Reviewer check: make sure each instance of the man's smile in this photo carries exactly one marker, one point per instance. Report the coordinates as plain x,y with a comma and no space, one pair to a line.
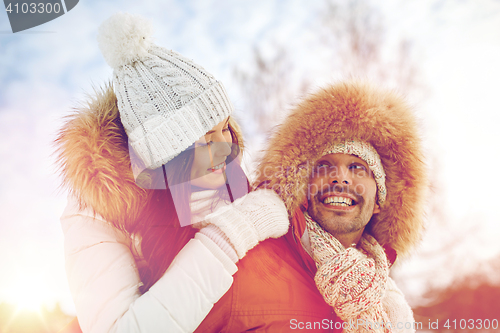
338,201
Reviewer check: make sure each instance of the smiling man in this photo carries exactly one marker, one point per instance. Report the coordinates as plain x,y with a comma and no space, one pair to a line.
347,163
343,191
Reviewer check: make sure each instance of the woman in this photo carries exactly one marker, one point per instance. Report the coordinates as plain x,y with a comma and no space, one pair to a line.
143,161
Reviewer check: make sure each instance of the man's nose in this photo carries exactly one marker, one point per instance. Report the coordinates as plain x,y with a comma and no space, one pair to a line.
340,176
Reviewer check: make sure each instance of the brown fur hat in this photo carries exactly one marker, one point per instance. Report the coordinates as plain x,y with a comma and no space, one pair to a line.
353,110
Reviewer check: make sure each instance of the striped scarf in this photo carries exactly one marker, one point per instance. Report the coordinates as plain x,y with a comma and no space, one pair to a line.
352,281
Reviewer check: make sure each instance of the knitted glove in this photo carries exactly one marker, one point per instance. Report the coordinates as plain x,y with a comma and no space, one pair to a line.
221,240
252,218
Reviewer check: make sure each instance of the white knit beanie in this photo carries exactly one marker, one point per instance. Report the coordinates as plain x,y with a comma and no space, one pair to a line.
166,101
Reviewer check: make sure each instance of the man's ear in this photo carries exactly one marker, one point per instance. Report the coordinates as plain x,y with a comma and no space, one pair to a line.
376,207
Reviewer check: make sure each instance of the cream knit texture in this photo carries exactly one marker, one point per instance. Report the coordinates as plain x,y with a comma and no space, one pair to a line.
203,203
398,310
166,101
352,281
220,252
252,218
221,240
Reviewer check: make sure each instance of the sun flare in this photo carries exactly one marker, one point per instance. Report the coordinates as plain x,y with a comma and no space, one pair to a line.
29,293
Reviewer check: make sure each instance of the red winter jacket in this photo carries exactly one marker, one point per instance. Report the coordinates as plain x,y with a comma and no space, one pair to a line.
274,291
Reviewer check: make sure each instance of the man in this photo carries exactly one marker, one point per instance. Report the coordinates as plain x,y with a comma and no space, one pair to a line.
348,165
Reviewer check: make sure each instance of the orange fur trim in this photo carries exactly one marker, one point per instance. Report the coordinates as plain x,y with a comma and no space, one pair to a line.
94,161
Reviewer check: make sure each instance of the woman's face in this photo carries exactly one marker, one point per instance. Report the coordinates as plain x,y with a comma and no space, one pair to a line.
210,154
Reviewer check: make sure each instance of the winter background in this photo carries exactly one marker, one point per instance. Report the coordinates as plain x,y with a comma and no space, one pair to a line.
442,54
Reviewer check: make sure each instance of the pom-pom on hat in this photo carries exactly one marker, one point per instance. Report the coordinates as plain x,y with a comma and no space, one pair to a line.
166,101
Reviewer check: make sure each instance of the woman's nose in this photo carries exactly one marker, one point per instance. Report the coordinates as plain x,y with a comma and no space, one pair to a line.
222,148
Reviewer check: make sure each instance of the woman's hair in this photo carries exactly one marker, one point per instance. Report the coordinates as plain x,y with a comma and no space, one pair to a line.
159,227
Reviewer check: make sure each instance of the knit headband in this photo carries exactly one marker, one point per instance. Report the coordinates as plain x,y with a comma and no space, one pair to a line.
367,153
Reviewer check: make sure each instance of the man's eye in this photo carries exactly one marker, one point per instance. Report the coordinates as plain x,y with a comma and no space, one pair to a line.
357,167
322,169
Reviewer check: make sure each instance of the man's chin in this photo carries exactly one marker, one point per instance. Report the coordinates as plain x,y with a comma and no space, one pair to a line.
335,221
327,211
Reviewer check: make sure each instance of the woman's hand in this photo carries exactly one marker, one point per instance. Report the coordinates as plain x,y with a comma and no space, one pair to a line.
251,219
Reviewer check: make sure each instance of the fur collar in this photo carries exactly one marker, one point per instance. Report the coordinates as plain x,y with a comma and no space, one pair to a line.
93,158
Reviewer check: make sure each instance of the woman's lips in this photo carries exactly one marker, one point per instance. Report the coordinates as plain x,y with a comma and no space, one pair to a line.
219,168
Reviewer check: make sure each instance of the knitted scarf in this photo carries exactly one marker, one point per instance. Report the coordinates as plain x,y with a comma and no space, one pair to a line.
203,203
352,281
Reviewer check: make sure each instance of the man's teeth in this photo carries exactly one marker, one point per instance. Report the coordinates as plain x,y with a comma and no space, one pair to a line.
218,166
338,201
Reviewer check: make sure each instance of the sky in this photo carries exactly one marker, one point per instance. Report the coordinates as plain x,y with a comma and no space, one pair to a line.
47,70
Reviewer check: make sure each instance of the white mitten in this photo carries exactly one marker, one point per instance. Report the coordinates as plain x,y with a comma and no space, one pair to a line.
252,218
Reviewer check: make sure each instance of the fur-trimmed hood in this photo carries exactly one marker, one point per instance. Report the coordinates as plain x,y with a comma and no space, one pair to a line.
94,161
353,110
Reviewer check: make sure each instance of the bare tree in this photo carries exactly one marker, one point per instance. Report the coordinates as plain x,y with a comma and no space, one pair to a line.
356,36
268,87
469,304
353,35
354,31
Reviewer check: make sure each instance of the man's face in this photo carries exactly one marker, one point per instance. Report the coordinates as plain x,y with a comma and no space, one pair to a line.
342,194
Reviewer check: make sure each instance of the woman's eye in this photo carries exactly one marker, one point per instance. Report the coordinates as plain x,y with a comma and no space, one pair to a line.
225,129
203,144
